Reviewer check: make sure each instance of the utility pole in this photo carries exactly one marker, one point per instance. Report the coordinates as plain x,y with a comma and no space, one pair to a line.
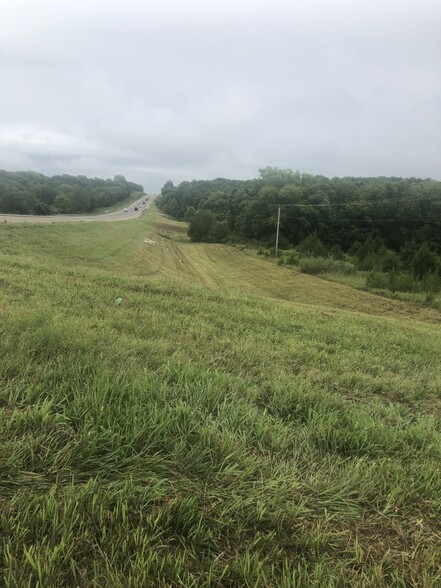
277,233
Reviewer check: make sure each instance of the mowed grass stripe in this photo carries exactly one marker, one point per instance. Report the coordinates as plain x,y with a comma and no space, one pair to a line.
229,269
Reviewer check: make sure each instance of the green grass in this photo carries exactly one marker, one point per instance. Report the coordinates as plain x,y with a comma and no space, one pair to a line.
232,423
358,280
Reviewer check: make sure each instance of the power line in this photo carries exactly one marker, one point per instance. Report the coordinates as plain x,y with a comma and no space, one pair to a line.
363,202
375,220
334,221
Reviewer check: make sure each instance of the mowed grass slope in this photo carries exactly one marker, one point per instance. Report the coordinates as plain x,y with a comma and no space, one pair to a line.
232,423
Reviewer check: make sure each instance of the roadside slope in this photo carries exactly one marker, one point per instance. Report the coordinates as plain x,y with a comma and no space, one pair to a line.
227,268
208,431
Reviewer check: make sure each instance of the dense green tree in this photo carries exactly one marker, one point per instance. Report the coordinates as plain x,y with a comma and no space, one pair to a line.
381,221
219,231
189,214
200,226
34,193
424,262
168,187
63,203
312,245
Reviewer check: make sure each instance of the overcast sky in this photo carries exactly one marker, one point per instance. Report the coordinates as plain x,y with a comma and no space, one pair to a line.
196,89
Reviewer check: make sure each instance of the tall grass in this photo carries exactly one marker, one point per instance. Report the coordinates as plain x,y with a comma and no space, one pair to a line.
204,435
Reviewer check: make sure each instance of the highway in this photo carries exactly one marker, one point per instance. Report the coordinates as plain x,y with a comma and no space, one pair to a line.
118,215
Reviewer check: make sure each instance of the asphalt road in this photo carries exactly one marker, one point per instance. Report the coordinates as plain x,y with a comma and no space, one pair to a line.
127,213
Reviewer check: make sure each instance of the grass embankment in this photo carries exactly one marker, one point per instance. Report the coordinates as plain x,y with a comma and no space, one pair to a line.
232,423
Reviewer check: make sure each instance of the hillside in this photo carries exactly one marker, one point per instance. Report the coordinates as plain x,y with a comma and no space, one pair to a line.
231,423
383,232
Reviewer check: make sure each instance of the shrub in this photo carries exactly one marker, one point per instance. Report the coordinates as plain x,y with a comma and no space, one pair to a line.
431,284
292,258
342,267
314,265
376,279
312,245
369,263
200,226
424,262
336,252
402,282
389,260
324,265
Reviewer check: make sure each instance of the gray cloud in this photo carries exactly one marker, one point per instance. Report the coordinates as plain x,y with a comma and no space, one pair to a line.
180,90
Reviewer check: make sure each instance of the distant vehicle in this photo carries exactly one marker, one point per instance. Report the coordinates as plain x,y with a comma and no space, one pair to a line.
144,202
136,208
126,210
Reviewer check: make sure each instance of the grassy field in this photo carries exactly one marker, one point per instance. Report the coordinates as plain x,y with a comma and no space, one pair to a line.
231,423
358,280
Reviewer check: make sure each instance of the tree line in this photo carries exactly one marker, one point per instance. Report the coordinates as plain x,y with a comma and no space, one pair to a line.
34,193
382,224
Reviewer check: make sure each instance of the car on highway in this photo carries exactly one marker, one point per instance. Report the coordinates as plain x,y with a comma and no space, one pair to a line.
136,208
126,210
